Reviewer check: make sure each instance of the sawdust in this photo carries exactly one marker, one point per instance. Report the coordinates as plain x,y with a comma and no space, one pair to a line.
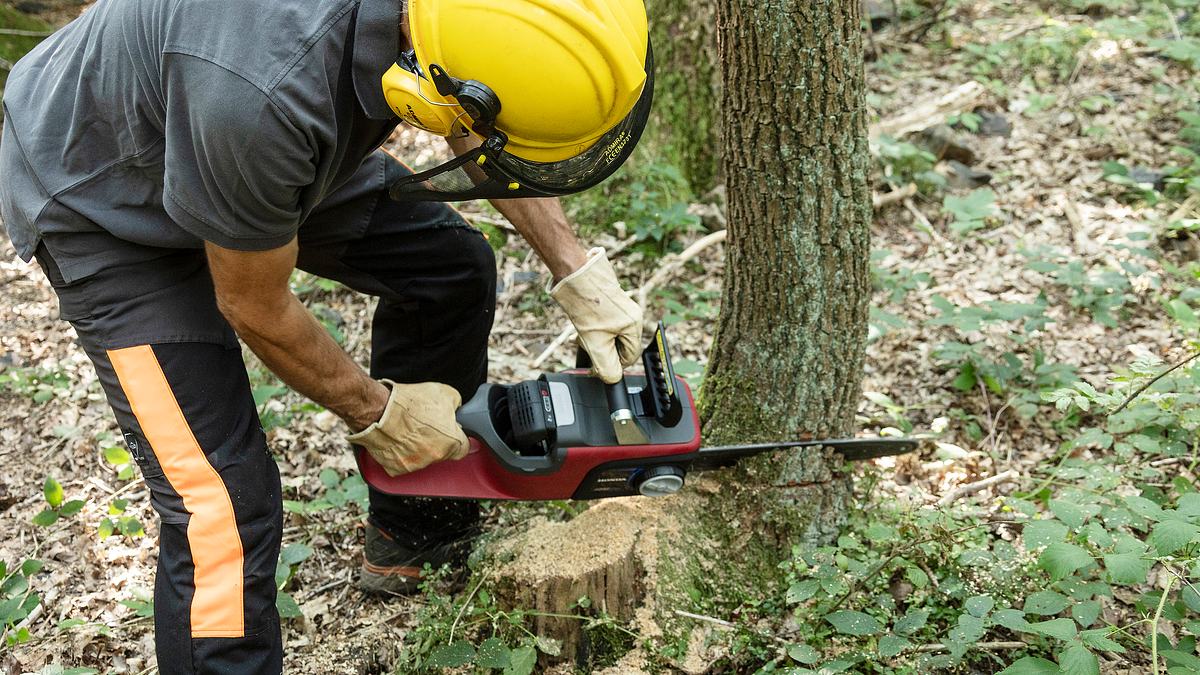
595,539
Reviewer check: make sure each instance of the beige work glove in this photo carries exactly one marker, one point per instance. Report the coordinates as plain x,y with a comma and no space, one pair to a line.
417,428
609,323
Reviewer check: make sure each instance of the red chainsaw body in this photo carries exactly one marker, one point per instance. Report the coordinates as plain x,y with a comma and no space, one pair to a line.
480,475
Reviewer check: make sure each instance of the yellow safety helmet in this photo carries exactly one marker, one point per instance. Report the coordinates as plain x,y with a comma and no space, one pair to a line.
559,91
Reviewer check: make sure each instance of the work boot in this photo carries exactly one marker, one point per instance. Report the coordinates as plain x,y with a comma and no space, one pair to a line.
391,568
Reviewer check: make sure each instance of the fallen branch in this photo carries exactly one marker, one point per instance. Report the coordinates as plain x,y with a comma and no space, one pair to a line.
929,111
879,201
971,488
17,32
668,268
700,617
665,270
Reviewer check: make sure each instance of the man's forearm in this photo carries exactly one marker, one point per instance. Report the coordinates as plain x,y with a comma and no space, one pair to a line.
540,221
252,292
543,224
300,351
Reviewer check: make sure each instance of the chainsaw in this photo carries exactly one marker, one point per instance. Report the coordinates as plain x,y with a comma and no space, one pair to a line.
570,436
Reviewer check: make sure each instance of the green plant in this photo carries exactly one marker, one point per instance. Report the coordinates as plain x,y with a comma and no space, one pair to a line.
651,198
1103,293
971,212
55,506
904,163
337,492
474,631
17,599
38,384
290,558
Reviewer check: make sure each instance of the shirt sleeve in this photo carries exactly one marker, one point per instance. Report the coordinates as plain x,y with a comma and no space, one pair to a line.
235,164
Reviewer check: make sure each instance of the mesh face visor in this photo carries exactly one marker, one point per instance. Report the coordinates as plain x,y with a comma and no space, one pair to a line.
488,172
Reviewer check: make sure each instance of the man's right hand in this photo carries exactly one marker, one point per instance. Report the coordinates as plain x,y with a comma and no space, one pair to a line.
417,428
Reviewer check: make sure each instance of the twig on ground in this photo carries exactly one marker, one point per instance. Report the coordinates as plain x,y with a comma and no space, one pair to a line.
971,488
929,111
567,333
923,222
1184,208
700,617
666,269
879,201
1158,377
489,220
17,32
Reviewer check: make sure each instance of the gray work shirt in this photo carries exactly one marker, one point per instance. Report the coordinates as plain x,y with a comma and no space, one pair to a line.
168,123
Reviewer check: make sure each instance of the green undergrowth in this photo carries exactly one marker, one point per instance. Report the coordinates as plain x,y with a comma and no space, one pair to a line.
13,47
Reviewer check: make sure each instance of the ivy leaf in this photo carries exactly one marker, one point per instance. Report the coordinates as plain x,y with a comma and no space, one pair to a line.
1098,639
1171,535
1046,603
1086,613
1063,629
1126,568
802,590
854,623
1079,660
891,645
1040,533
1031,665
1012,619
493,653
452,655
287,606
1062,559
1068,512
803,654
911,622
53,492
294,554
521,661
979,605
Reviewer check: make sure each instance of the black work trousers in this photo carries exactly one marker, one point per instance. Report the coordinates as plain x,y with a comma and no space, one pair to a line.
172,370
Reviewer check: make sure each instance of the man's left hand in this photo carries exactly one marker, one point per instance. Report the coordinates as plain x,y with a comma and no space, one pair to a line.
608,321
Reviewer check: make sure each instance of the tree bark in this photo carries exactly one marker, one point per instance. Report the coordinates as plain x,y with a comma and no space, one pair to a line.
788,353
684,127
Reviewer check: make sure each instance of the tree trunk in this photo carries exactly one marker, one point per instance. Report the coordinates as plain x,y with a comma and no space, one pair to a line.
684,128
788,354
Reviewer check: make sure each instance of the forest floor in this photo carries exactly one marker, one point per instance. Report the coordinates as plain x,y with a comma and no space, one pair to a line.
1064,105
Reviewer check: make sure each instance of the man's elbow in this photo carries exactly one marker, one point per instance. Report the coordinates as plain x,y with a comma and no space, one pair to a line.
249,313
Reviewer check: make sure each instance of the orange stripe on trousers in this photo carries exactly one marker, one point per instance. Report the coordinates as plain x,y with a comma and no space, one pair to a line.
212,529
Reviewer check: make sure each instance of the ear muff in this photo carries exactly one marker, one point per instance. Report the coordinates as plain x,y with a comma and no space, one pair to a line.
419,106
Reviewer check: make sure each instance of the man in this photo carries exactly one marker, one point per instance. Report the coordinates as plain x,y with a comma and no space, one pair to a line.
169,162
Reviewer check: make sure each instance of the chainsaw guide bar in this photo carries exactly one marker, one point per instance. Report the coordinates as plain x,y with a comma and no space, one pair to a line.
570,436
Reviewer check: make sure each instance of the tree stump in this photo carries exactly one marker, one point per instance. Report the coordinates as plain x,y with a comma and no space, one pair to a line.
596,555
